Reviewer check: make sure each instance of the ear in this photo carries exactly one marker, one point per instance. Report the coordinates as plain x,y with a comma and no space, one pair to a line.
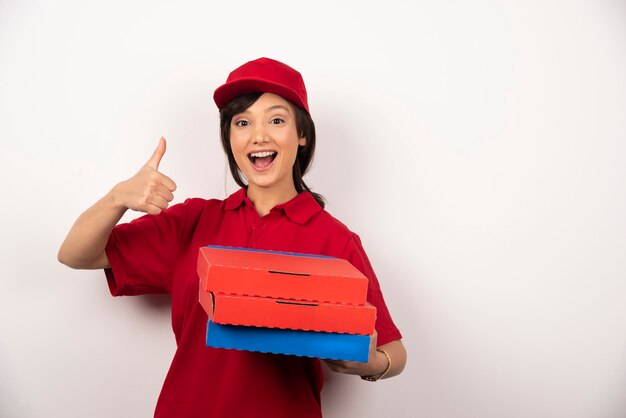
302,141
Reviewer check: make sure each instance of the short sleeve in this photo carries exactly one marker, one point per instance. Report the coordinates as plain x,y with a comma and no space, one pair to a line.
143,253
354,253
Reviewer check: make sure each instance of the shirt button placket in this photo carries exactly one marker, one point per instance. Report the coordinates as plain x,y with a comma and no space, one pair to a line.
256,230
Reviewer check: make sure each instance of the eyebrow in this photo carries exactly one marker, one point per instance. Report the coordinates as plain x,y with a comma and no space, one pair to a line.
277,107
269,109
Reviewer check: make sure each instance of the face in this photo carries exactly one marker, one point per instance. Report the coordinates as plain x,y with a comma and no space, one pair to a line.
265,142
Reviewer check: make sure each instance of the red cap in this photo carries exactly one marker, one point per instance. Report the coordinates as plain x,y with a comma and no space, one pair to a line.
263,75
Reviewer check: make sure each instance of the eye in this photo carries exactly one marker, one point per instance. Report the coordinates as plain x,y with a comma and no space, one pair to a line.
242,123
277,121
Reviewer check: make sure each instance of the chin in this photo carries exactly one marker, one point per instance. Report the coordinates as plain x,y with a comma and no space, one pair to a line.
262,184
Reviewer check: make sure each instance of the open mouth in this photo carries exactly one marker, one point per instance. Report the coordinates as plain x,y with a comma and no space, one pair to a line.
262,159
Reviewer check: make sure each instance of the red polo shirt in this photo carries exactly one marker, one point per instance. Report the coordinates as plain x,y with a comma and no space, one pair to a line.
158,254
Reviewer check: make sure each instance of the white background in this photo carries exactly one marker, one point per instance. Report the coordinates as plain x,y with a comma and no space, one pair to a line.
478,148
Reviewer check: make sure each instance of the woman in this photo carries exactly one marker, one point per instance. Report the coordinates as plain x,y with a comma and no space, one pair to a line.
269,139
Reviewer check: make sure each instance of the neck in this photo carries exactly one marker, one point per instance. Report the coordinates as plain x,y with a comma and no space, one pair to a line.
264,199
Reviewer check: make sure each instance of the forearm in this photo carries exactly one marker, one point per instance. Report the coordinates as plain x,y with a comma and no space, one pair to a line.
397,354
377,362
84,245
148,191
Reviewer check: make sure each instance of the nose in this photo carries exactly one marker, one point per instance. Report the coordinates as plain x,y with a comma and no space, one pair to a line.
259,135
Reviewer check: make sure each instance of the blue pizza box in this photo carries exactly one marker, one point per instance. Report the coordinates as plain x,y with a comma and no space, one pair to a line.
326,345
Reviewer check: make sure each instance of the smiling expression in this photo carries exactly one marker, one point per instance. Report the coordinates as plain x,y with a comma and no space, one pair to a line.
264,141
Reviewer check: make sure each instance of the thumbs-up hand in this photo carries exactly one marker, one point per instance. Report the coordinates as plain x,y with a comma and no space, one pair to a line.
149,190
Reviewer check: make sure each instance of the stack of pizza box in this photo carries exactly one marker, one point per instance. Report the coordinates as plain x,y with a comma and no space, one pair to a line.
285,303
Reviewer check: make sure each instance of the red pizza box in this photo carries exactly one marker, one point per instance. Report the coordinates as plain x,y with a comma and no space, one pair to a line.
250,272
289,314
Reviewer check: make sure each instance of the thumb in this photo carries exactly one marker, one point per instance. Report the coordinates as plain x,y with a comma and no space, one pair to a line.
154,161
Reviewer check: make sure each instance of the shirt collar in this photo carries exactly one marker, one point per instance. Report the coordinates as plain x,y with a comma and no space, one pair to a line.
235,200
299,209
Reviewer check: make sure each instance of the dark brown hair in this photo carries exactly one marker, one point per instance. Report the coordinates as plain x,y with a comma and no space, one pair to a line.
304,126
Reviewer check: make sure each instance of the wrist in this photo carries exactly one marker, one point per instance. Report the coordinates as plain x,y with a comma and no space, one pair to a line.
115,197
380,363
382,366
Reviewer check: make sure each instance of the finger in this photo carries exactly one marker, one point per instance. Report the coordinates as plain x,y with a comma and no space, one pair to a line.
336,365
164,192
334,368
152,210
168,182
154,161
158,201
374,339
331,365
338,368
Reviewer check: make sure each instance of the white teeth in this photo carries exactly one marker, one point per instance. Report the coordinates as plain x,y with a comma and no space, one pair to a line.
262,154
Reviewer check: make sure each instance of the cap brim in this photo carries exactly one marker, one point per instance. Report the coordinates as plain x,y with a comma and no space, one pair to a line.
229,91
